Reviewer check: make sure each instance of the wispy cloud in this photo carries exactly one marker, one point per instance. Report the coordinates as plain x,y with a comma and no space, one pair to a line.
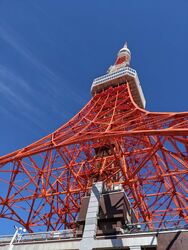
19,44
22,93
14,90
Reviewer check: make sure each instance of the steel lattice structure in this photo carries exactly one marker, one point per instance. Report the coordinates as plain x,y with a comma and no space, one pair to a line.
111,139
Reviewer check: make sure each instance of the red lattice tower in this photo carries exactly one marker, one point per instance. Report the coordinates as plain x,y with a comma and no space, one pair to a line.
113,139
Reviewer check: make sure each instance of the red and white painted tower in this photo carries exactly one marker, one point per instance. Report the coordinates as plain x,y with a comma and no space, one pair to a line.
112,139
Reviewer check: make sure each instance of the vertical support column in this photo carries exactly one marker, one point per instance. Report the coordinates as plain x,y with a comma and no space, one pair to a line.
91,217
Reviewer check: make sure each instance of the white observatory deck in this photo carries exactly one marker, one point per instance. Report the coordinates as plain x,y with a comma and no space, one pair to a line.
118,77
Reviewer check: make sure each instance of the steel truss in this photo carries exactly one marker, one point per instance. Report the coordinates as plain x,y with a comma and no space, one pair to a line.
110,139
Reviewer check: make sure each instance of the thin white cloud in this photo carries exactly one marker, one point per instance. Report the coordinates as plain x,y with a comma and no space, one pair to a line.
10,84
6,73
13,39
16,90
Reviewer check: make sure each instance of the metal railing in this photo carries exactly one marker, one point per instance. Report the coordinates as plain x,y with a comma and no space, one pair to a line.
71,234
156,226
39,236
5,238
111,76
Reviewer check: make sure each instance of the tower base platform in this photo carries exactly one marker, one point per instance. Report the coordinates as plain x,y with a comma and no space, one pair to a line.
106,221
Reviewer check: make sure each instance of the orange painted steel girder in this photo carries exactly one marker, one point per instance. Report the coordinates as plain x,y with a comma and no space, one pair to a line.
110,139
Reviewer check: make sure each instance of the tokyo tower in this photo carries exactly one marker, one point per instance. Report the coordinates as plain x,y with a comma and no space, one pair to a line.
113,139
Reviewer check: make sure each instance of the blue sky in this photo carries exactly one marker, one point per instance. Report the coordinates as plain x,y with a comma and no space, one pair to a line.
51,50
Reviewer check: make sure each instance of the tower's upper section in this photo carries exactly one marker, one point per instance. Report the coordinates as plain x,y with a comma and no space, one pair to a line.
121,73
123,59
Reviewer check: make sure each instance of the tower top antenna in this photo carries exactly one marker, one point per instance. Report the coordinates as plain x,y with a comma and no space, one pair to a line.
125,45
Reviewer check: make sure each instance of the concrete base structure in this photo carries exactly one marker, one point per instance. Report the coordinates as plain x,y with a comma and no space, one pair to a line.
87,236
75,244
171,240
91,218
89,240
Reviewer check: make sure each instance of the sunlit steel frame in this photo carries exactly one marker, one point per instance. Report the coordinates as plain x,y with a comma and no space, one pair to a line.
43,183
